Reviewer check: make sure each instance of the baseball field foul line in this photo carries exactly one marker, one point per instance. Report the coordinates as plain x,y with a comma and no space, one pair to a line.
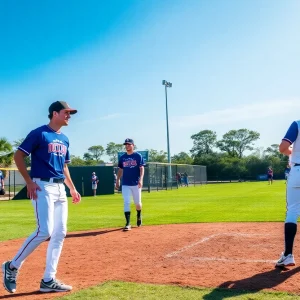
172,254
233,260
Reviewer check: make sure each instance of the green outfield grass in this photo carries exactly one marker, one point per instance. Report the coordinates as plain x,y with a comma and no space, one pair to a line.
232,202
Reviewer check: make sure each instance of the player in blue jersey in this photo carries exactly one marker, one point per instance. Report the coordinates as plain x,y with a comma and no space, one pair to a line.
131,169
49,150
95,181
286,172
1,181
270,175
292,137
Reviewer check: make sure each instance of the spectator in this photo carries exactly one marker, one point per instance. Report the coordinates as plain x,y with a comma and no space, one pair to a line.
1,180
286,172
178,179
270,175
95,181
115,179
185,179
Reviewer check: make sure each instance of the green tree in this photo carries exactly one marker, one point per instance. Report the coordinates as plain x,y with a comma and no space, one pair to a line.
203,142
236,142
157,156
112,150
273,150
89,159
182,158
6,153
95,153
232,167
77,161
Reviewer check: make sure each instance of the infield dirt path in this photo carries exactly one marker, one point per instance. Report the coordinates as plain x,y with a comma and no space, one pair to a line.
231,255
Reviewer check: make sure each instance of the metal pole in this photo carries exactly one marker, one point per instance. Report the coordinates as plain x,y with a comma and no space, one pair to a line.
168,141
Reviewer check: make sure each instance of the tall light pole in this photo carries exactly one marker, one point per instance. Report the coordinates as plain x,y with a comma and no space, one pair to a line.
168,85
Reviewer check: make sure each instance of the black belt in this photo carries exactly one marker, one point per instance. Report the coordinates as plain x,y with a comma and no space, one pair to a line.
55,180
296,165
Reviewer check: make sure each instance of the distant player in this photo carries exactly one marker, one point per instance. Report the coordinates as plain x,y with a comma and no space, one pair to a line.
1,180
49,149
270,175
131,169
95,181
292,192
286,172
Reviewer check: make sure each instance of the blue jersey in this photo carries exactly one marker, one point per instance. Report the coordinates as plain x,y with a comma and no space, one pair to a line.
94,179
292,133
49,152
131,168
1,176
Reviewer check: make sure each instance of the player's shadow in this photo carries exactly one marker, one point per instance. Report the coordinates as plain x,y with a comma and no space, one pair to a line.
21,295
90,233
251,284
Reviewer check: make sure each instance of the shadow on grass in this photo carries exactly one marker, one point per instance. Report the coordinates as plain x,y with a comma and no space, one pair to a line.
251,284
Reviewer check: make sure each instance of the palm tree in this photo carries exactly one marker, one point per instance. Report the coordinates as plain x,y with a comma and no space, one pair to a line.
6,153
16,144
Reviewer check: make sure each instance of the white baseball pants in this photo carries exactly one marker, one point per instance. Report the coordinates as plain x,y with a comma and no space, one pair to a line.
135,192
293,195
51,213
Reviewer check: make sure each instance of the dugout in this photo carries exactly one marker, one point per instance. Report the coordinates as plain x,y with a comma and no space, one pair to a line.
81,177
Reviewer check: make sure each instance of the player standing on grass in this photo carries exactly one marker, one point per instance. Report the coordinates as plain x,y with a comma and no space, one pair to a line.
270,175
48,147
131,167
292,193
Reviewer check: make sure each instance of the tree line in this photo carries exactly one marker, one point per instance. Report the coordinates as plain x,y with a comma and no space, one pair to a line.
225,157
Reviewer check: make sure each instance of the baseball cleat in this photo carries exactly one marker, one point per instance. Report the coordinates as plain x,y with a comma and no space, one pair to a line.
54,285
127,228
139,222
285,261
9,277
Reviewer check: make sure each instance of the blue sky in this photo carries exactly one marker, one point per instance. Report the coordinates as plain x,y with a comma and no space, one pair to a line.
233,64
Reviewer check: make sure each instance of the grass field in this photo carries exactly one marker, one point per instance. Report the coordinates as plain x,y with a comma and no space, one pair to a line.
234,202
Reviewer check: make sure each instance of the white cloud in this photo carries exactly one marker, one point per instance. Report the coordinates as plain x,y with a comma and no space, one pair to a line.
237,114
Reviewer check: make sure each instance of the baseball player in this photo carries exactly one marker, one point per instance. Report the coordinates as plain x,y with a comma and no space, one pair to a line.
48,147
286,172
1,180
270,175
131,167
292,193
95,181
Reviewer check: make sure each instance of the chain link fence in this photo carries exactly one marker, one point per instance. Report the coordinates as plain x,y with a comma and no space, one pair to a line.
13,183
160,176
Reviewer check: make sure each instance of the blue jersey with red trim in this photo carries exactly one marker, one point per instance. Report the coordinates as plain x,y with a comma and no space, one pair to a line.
131,163
49,152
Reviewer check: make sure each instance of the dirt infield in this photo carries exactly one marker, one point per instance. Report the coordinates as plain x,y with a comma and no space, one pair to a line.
231,255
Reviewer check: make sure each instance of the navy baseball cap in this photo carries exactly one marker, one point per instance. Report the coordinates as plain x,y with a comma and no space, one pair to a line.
59,105
129,141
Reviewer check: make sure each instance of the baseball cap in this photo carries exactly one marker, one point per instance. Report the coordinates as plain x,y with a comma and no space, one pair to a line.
128,141
59,105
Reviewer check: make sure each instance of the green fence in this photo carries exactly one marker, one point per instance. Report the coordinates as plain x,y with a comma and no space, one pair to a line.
158,176
15,186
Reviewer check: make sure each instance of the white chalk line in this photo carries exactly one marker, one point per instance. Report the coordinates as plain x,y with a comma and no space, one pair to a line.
232,260
203,240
